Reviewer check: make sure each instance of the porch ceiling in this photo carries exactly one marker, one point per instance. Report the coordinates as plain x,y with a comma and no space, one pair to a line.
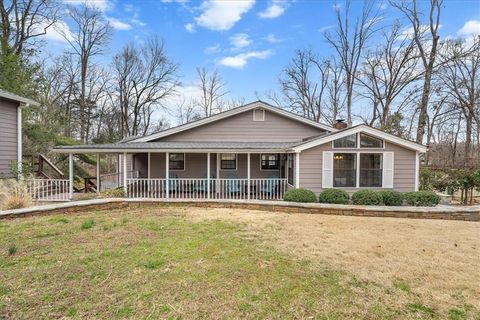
193,147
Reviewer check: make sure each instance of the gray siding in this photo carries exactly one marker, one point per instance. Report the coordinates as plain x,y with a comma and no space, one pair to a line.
311,167
196,166
241,127
8,135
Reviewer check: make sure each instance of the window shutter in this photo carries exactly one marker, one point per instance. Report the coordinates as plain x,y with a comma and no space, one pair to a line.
387,170
327,170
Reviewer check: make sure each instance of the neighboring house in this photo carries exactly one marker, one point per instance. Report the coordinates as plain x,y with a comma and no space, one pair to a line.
11,130
259,151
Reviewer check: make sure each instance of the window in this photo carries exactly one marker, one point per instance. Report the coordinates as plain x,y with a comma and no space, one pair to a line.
370,170
176,161
367,141
344,170
290,168
346,142
258,114
270,162
228,161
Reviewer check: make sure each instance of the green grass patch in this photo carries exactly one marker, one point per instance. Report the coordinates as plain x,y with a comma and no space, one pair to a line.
88,224
418,307
402,285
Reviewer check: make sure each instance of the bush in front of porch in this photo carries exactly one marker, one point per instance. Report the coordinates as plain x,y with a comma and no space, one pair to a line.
335,196
300,195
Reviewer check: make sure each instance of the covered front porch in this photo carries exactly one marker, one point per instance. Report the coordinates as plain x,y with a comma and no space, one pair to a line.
263,173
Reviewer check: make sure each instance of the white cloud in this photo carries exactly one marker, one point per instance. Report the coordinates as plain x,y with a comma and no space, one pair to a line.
326,28
55,32
119,25
240,60
470,27
240,40
274,10
190,27
222,15
212,49
272,38
102,5
174,1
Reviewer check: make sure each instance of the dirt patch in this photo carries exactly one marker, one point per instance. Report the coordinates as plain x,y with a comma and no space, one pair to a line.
438,260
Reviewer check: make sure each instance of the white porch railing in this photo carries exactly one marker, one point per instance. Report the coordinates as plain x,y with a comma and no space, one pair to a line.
49,189
115,180
259,189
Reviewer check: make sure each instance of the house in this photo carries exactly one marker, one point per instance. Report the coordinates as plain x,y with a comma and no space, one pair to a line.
11,130
257,151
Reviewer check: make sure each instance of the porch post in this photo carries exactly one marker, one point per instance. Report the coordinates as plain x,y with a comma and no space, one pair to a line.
148,166
217,186
167,160
125,189
208,175
98,173
248,175
70,176
297,170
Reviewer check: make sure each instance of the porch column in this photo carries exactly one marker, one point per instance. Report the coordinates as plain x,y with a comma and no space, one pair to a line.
98,173
167,160
248,175
148,166
217,186
70,176
208,175
125,173
297,170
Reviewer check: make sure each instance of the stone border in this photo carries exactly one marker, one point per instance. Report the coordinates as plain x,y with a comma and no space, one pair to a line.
464,213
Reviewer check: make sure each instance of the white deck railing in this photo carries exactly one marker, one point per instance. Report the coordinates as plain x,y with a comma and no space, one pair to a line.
260,189
49,189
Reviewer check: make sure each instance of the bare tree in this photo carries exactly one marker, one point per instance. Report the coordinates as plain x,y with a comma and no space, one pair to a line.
386,74
212,90
461,76
91,33
426,38
350,40
186,111
22,22
144,77
304,84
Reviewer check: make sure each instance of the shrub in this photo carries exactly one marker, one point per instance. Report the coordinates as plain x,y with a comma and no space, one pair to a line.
300,195
14,194
12,250
422,198
334,196
367,198
392,198
113,193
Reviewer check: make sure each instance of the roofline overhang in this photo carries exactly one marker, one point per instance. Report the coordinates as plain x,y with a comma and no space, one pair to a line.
163,150
361,128
23,102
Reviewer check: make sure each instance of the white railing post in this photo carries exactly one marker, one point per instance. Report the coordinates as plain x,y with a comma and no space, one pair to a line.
125,188
208,175
248,176
70,176
98,173
167,167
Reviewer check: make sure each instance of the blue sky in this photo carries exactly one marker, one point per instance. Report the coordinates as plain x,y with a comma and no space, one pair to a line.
248,41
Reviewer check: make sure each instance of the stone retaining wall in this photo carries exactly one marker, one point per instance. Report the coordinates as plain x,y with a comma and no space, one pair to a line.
471,213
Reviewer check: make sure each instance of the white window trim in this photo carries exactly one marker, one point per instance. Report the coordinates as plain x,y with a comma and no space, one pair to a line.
263,114
278,155
357,168
358,140
184,161
236,162
293,167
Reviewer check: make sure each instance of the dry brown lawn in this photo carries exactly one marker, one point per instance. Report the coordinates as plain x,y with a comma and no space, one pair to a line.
438,259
